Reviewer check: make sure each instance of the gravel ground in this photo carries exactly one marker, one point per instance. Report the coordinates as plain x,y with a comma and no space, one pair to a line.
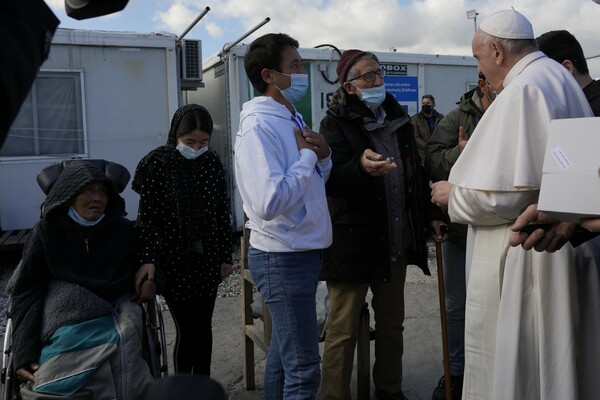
231,286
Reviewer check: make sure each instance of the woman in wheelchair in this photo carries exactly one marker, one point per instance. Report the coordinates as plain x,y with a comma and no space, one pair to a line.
77,332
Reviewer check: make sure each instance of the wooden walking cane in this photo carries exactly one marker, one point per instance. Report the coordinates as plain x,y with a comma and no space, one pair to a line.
442,293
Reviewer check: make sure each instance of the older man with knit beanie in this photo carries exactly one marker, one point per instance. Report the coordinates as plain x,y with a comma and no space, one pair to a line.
377,196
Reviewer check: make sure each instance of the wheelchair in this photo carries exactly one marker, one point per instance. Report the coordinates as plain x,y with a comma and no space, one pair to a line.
154,346
155,342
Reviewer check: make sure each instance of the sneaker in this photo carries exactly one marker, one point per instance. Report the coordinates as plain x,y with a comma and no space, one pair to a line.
381,395
456,385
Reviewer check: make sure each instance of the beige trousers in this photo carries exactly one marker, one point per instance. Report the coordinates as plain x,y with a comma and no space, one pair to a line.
346,300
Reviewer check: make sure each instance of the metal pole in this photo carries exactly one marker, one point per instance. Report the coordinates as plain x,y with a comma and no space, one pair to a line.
189,28
475,22
250,32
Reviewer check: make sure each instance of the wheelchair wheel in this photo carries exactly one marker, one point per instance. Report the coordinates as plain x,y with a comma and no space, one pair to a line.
9,380
155,347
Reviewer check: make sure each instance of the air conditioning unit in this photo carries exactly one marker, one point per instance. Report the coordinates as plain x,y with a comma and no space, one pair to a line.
191,64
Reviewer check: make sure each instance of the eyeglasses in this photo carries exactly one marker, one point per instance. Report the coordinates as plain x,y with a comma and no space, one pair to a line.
370,76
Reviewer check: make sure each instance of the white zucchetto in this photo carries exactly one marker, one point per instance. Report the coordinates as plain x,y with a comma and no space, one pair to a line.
508,24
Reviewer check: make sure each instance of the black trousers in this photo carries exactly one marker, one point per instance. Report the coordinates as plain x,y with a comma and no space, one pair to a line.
193,344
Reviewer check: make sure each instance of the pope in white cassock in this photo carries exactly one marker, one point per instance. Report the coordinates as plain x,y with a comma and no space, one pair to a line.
532,319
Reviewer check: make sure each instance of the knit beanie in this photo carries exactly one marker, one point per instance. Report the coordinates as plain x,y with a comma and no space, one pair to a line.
346,62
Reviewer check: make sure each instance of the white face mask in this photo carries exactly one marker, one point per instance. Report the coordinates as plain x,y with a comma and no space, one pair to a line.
190,153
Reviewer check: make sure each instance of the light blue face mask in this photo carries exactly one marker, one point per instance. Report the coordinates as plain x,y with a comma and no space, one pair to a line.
189,152
297,89
82,221
372,97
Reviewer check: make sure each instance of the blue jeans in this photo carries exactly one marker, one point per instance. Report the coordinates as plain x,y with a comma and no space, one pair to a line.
288,285
456,292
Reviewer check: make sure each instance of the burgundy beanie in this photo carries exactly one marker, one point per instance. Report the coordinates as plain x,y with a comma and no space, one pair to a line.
346,62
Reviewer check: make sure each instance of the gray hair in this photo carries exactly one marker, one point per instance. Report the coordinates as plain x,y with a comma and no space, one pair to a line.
352,73
339,96
514,47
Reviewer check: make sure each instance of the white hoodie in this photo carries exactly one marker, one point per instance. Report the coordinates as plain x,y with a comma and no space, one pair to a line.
283,189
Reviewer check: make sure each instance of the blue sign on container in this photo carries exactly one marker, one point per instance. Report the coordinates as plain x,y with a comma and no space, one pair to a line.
404,88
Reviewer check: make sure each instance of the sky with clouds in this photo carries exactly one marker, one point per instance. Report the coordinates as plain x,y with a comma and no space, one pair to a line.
410,26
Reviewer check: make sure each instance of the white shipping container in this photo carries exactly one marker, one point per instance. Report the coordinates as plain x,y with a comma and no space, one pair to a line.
99,95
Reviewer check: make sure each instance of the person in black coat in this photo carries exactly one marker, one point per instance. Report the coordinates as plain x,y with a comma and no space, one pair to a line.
185,230
379,203
79,269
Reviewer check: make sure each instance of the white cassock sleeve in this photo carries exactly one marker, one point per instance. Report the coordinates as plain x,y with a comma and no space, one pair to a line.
483,207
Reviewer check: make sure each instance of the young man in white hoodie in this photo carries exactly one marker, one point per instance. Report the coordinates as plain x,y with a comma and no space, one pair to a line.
281,166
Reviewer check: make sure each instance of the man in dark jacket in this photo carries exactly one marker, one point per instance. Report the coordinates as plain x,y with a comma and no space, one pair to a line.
377,196
564,48
443,149
424,123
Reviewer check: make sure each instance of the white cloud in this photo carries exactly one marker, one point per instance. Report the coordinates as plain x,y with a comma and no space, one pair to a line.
422,26
179,15
413,26
213,29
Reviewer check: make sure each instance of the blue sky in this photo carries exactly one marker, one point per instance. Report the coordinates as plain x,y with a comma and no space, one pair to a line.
412,26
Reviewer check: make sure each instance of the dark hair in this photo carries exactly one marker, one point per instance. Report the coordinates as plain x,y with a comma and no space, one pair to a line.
562,45
266,52
194,119
428,96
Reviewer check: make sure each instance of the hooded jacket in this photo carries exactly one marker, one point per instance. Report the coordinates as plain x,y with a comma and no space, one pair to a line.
357,200
283,189
184,216
100,258
442,149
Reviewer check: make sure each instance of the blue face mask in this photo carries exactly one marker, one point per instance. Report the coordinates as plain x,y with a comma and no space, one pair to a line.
190,153
82,221
372,97
297,89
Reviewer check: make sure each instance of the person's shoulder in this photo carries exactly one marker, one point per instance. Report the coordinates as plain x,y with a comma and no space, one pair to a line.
263,108
158,158
37,230
120,223
456,113
592,90
213,157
